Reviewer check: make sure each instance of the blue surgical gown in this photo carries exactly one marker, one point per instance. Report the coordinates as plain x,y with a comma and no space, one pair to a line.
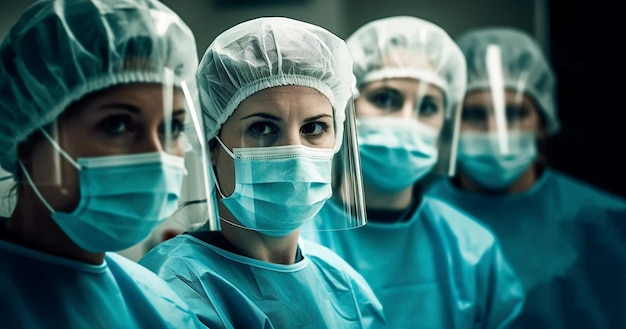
228,290
438,269
565,240
39,290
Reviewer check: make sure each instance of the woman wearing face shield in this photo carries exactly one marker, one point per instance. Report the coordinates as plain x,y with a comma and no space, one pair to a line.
560,234
93,99
431,265
275,96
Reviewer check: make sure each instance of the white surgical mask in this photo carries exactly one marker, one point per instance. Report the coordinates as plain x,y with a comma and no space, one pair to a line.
395,153
278,188
480,157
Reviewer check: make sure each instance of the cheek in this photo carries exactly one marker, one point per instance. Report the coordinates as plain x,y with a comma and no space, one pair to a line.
364,108
531,122
178,149
328,141
225,173
435,121
55,178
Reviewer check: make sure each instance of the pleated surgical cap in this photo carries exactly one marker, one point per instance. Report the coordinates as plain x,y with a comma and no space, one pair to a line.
270,52
408,47
524,67
60,51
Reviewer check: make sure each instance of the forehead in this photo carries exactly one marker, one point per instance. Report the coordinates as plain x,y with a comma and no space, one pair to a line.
288,99
486,98
143,96
408,58
407,86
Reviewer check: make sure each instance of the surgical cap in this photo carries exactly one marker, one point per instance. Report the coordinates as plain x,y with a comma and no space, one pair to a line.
523,64
60,51
270,52
408,47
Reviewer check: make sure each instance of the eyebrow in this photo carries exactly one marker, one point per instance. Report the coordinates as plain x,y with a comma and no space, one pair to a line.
121,106
135,109
262,115
317,117
273,117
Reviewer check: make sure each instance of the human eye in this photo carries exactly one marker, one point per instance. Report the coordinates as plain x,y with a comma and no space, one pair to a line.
428,107
314,128
178,128
474,114
387,99
115,125
262,129
516,113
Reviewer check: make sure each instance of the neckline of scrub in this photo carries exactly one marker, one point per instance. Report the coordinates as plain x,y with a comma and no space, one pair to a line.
58,261
482,197
251,261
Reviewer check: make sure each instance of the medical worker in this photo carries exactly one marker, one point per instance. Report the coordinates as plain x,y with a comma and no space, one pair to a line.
93,101
276,96
537,212
431,265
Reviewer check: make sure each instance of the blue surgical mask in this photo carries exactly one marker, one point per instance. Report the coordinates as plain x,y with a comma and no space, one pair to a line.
481,156
122,199
278,188
395,153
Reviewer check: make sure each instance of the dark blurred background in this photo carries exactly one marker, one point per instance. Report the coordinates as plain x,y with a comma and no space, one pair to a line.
580,37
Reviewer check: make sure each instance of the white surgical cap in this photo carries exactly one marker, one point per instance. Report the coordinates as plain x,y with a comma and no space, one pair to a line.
523,64
408,47
60,51
270,52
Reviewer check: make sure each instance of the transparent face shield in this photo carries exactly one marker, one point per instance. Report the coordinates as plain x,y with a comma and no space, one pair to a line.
102,136
275,171
7,198
498,118
410,121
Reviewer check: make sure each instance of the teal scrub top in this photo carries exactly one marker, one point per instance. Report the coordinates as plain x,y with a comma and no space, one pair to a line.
40,290
566,240
437,269
227,290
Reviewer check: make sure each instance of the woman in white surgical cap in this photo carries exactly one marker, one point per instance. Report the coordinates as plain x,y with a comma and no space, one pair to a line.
94,96
429,264
276,96
548,223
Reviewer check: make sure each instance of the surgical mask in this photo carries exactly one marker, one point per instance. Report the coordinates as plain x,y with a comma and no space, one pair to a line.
122,198
395,153
278,188
481,158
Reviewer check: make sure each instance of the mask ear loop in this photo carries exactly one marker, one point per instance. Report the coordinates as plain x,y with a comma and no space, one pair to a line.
58,148
217,184
30,180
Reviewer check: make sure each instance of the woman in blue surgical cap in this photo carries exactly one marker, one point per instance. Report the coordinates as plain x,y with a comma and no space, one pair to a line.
559,233
431,265
276,96
93,99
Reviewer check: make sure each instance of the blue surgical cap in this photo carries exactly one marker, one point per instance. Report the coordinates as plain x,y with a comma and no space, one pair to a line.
60,51
270,52
523,64
408,47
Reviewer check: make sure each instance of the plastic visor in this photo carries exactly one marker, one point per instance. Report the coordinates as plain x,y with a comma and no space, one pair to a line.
498,106
347,183
345,188
88,131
